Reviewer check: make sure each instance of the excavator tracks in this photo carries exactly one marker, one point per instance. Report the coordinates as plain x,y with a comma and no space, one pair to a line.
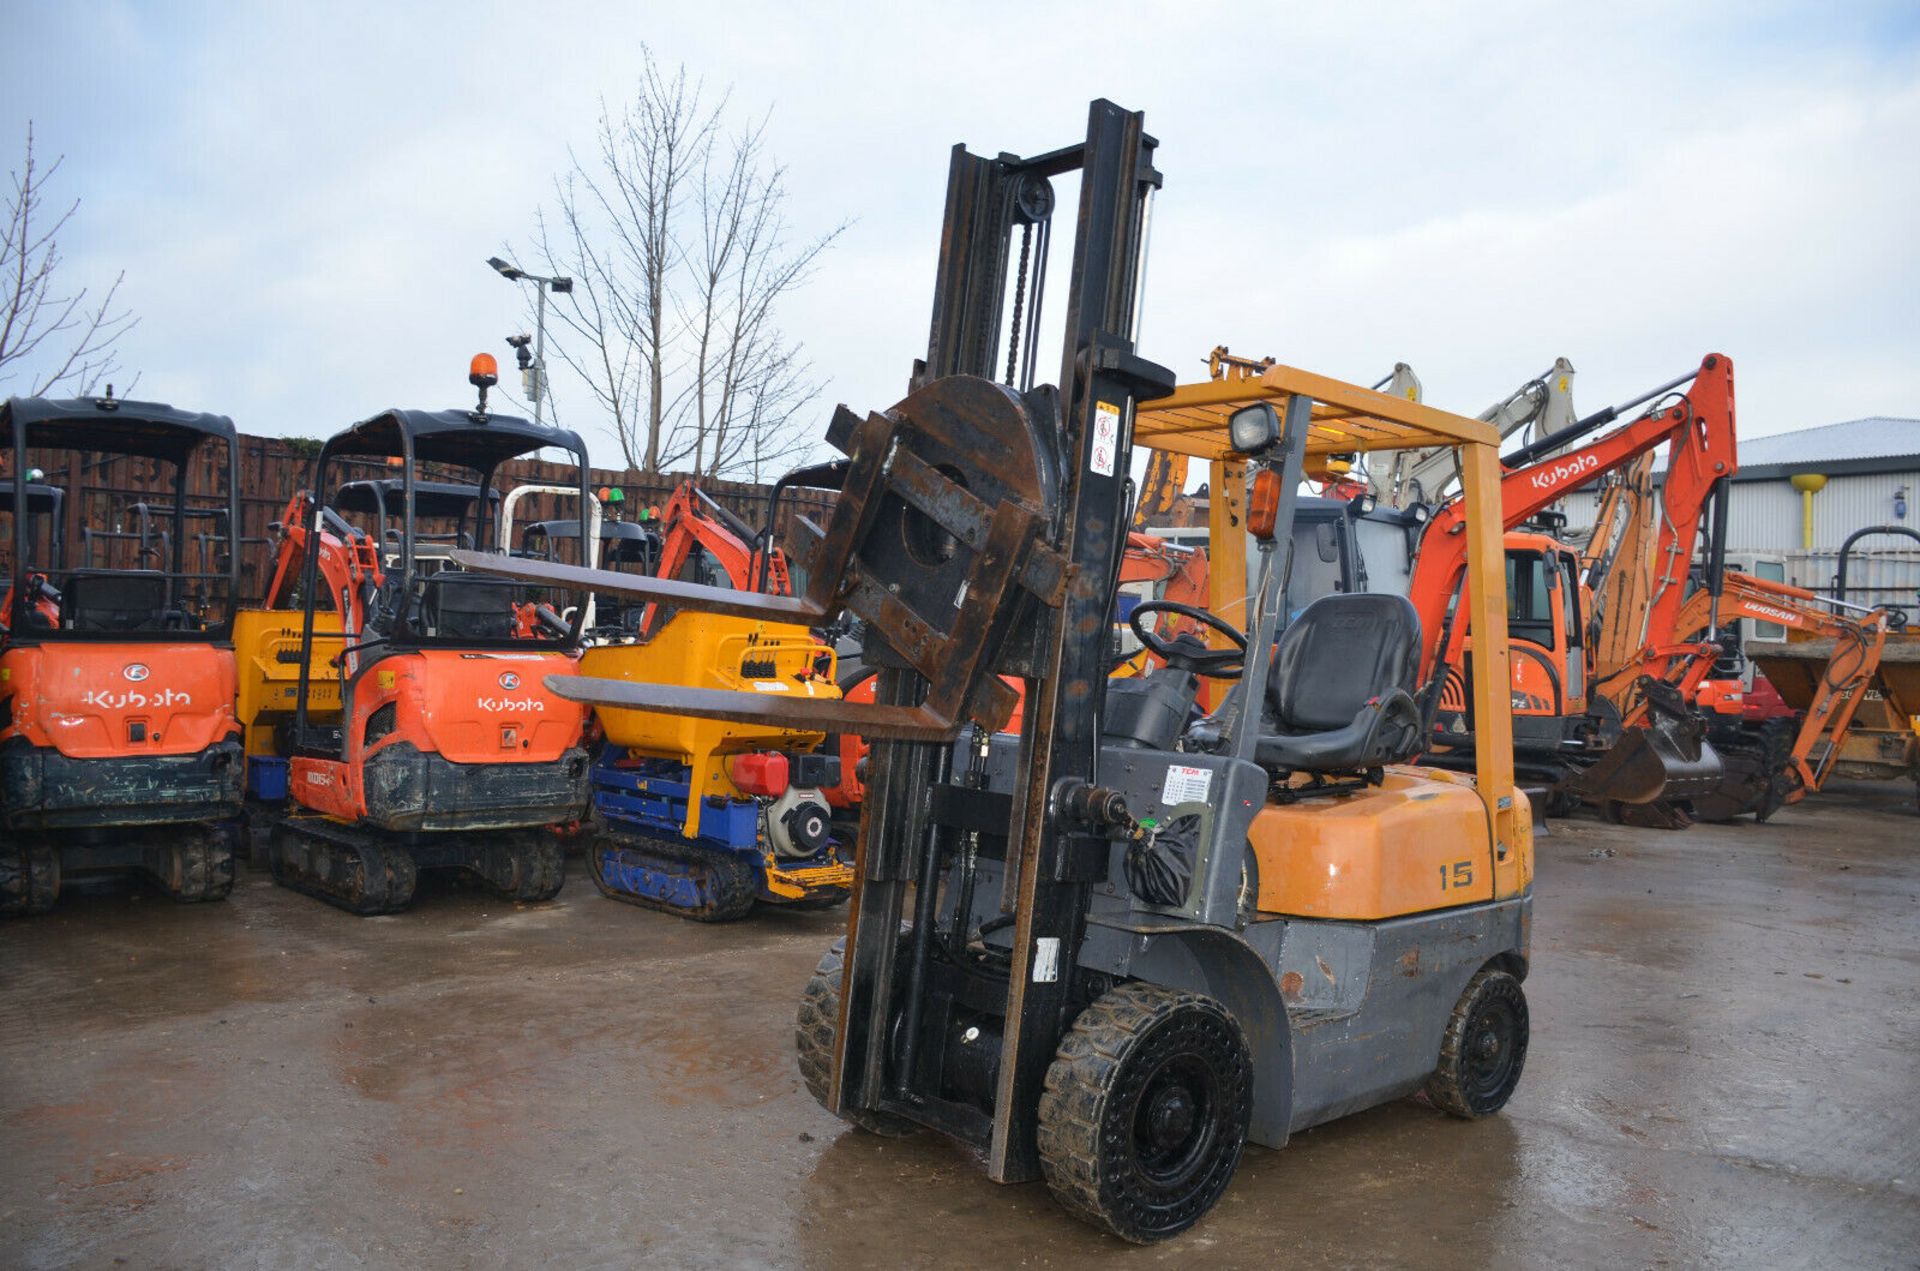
29,877
367,873
190,864
704,884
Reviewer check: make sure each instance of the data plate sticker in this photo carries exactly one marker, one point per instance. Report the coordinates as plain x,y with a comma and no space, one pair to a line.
1046,960
1186,785
1106,437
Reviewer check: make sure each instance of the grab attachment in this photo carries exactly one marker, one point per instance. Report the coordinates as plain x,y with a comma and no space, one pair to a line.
944,517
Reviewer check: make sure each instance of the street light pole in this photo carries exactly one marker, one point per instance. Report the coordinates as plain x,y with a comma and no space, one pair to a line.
537,372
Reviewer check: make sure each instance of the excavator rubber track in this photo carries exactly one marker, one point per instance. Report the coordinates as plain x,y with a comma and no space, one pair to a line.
366,872
701,883
29,877
188,863
195,863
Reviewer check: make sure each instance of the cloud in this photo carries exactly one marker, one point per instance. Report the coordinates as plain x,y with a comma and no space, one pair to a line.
303,199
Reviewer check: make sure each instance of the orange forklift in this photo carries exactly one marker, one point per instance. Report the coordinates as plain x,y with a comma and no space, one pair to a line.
119,748
1139,937
446,750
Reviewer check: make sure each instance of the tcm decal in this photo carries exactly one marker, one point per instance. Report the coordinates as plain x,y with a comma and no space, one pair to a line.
133,699
1579,465
525,705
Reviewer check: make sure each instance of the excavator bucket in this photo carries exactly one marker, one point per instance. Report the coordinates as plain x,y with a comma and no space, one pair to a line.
1669,760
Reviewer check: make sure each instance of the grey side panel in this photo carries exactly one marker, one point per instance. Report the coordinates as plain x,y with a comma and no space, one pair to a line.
1369,1030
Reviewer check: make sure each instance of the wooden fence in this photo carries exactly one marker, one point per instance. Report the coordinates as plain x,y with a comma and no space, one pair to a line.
101,527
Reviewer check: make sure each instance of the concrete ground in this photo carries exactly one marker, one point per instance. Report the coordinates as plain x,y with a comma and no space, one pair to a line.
1725,1071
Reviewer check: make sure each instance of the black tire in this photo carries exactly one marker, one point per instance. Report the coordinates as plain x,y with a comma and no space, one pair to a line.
1145,1111
1484,1048
813,1031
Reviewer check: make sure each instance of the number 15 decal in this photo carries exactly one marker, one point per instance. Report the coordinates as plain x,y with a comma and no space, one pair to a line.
1456,876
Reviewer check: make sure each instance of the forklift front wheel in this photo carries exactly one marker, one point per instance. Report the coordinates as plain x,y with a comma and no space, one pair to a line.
1483,1049
813,1034
1145,1111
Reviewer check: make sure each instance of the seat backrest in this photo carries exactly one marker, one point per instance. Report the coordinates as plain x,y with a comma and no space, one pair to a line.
1342,651
470,606
113,599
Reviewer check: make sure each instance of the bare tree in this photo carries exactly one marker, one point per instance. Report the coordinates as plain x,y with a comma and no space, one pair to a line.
675,233
55,338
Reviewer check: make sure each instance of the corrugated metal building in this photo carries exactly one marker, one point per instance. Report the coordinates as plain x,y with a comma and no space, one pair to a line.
1872,471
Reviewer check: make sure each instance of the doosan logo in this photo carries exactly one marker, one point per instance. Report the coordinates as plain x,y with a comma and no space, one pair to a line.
1578,466
509,681
136,671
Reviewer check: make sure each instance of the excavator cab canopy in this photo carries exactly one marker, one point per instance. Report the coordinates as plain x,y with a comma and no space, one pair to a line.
424,602
160,581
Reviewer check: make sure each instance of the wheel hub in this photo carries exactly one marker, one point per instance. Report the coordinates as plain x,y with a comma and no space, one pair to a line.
1170,1118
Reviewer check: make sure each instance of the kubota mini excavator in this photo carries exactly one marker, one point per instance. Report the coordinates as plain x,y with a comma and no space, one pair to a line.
1563,734
119,747
446,750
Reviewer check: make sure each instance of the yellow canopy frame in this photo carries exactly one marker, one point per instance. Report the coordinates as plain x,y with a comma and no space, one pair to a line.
1349,420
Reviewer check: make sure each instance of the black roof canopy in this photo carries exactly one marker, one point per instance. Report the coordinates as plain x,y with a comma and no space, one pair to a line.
465,438
152,430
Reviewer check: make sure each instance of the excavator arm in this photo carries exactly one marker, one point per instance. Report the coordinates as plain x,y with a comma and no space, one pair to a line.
693,520
1700,426
1858,641
349,561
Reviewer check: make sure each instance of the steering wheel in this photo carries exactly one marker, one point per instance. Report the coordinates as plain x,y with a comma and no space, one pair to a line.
1185,653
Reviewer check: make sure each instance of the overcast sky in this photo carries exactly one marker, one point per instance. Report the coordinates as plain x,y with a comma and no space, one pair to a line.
302,196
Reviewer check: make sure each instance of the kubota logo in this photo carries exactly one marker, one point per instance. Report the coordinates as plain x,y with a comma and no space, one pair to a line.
522,704
136,671
509,681
1579,465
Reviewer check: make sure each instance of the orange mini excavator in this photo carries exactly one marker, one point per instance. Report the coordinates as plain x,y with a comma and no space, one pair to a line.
446,751
1565,734
119,749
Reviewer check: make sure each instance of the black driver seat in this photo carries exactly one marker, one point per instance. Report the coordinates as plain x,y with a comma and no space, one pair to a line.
1340,698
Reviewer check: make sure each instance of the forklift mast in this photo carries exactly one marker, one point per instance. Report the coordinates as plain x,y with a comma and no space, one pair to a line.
989,201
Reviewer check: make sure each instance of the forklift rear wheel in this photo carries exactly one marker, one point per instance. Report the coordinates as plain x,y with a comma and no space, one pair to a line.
1145,1111
1483,1049
813,1041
